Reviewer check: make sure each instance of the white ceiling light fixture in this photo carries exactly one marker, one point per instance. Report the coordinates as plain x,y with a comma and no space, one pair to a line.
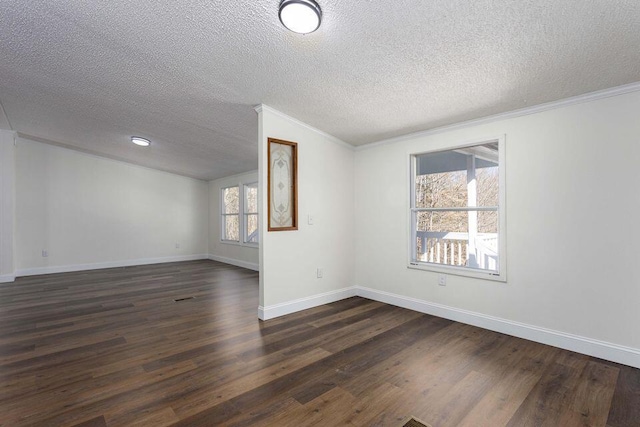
300,16
143,142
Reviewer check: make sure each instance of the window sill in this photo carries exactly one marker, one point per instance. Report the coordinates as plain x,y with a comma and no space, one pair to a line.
459,271
234,243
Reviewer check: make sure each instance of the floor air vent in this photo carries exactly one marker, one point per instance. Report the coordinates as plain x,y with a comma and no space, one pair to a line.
183,299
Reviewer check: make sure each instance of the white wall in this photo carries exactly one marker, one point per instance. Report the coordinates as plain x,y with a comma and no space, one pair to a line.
237,254
7,206
89,212
325,189
572,222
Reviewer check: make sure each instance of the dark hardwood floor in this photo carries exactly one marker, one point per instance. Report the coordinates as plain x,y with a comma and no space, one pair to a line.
111,347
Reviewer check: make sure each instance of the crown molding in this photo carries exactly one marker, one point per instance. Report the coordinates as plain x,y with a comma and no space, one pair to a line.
587,97
263,107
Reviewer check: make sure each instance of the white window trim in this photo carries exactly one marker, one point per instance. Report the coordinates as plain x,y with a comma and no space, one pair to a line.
245,214
241,213
501,276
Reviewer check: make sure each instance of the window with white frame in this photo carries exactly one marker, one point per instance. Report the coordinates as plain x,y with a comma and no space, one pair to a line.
250,212
457,210
239,214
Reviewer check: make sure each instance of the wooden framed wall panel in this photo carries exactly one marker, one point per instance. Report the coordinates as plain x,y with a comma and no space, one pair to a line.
282,188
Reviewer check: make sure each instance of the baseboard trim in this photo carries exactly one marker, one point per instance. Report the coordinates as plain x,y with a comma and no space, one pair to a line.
236,262
111,264
7,278
601,349
282,309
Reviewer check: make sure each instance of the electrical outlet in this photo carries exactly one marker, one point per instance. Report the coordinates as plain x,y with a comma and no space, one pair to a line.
442,280
319,273
45,253
177,245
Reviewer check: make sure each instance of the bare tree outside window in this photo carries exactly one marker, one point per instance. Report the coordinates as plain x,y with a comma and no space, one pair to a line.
231,214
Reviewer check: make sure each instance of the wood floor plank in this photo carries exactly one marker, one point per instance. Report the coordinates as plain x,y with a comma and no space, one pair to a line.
94,422
550,398
381,401
207,398
594,393
157,418
264,414
454,405
504,398
112,348
625,405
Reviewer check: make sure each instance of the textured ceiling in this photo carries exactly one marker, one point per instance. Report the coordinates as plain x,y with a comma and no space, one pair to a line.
187,73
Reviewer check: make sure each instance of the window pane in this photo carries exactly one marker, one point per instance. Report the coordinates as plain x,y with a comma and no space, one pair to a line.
231,227
251,227
488,222
488,186
443,237
443,221
231,200
251,198
457,178
441,190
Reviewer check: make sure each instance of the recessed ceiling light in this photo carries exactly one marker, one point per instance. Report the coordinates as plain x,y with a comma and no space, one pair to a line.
300,16
143,142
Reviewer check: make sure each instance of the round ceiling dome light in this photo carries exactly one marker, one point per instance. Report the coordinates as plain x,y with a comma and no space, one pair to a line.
300,16
143,142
